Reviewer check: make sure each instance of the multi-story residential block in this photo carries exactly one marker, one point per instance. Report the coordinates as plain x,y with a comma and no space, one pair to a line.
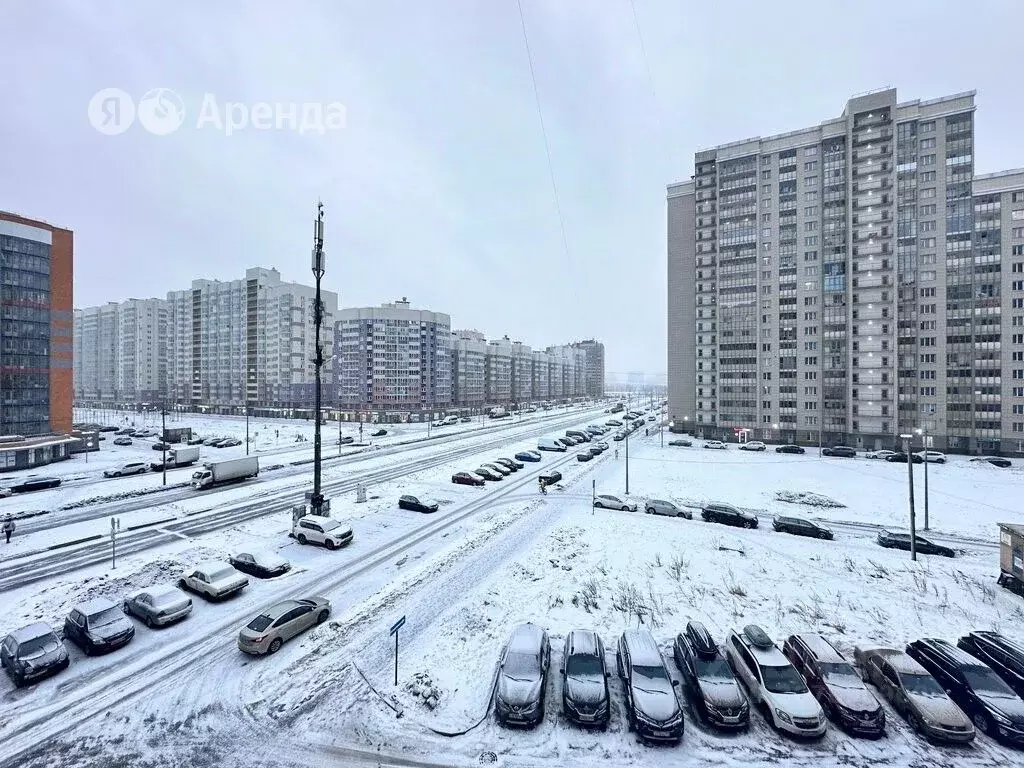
541,375
522,373
594,367
469,351
36,326
142,351
498,372
245,342
565,370
848,282
393,358
96,352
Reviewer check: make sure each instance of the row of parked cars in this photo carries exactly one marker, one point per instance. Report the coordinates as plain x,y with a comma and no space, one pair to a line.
944,691
100,625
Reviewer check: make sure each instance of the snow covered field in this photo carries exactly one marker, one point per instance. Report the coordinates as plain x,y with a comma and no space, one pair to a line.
492,558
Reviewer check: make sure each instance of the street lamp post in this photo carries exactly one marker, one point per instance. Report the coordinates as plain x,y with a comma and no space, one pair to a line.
910,477
627,462
924,446
317,499
246,429
163,440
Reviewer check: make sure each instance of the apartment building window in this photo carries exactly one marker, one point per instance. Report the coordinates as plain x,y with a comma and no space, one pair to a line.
811,197
1018,426
811,166
766,189
1017,250
810,346
927,226
810,301
1017,215
810,226
926,144
810,376
1018,285
1017,197
926,160
766,160
810,181
927,242
810,315
809,241
927,193
1018,357
811,210
766,218
926,176
927,275
810,271
766,232
927,374
927,292
810,255
1018,410
928,341
766,203
766,174
1017,232
1018,373
926,210
926,127
1018,320
810,151
1017,338
1018,391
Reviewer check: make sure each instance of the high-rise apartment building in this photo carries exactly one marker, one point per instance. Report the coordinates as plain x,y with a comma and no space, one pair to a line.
244,342
469,352
36,326
393,358
593,376
96,354
498,371
541,375
522,373
848,282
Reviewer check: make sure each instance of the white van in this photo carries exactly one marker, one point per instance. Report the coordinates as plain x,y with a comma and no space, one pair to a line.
550,444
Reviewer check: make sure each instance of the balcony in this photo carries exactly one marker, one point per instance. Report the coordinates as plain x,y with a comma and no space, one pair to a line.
870,168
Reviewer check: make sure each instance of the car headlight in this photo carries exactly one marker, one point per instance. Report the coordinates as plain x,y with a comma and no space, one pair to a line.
1000,718
783,716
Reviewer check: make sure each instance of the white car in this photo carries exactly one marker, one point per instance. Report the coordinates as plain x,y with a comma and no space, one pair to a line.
932,457
718,445
774,683
316,529
753,445
131,468
213,579
882,454
611,501
5,492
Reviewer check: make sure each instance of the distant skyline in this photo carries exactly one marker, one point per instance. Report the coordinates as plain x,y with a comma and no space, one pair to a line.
438,188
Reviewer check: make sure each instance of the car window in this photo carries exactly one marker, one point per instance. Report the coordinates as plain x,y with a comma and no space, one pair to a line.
106,616
711,669
922,685
522,666
291,615
260,623
984,680
38,646
649,672
223,573
583,665
782,680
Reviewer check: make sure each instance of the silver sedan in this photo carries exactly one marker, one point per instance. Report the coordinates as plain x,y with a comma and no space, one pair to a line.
158,606
662,507
268,631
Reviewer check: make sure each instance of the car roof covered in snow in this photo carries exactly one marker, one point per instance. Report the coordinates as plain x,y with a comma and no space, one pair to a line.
821,648
583,641
211,566
526,638
158,590
94,606
31,632
900,661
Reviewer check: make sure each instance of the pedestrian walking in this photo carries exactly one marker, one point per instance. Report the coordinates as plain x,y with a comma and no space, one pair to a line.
8,527
543,486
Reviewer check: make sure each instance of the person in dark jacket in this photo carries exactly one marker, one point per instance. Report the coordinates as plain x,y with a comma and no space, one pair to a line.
8,527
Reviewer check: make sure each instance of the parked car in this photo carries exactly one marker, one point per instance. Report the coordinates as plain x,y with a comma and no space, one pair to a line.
512,464
995,461
131,468
584,455
317,529
345,440
523,677
601,445
899,457
528,456
932,457
790,449
34,483
711,688
667,508
596,450
488,474
586,699
122,441
97,626
915,694
882,454
618,437
207,441
158,606
1002,655
551,444
800,527
716,445
727,514
611,501
32,653
681,442
550,477
260,563
416,504
467,478
992,705
613,423
753,445
124,432
233,442
161,446
194,441
891,540
834,683
382,432
840,452
503,471
5,492
774,684
214,580
268,631
652,707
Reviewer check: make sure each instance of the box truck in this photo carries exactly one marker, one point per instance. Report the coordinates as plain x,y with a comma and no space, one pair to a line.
178,457
228,471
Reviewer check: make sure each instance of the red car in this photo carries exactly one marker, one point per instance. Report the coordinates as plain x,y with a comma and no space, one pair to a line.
467,478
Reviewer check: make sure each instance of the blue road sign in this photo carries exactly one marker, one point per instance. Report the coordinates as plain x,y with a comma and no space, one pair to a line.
397,625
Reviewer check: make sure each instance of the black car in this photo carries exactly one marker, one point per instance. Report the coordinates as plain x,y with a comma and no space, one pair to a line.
550,477
585,696
711,688
528,456
800,527
790,449
263,565
652,708
681,442
161,446
727,514
840,451
32,653
512,464
995,461
891,540
984,697
97,626
901,458
584,455
416,504
34,483
523,677
378,433
1003,656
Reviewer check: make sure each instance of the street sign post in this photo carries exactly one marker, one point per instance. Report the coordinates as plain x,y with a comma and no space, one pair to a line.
394,631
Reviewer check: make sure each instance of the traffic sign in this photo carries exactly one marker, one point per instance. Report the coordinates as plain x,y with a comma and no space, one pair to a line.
397,625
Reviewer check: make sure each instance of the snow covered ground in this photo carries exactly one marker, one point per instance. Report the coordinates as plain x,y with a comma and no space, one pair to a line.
494,557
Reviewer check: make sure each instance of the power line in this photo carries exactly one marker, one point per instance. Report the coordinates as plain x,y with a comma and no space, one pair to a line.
654,92
544,133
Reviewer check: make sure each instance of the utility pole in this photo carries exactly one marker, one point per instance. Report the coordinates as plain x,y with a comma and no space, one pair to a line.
924,446
247,429
910,478
627,461
339,434
317,499
115,526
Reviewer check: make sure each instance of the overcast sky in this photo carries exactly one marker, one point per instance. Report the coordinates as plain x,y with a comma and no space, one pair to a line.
439,189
